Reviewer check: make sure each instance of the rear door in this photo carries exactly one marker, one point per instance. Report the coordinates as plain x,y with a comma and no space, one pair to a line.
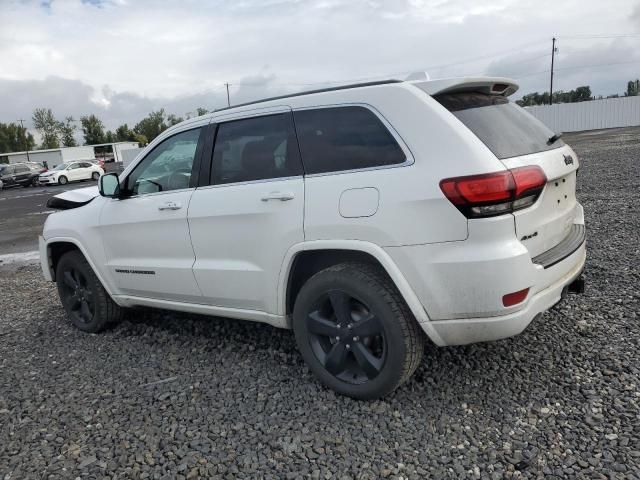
518,139
247,216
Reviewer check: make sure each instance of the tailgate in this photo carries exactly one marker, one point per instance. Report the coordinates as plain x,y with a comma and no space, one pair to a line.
545,224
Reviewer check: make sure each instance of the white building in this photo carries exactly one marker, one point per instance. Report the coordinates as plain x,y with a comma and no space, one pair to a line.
52,156
56,156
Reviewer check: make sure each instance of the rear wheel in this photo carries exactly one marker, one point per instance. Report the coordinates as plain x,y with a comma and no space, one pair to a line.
35,182
62,180
355,331
95,176
87,303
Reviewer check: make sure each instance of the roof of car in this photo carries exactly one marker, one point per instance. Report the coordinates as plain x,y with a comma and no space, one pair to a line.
506,87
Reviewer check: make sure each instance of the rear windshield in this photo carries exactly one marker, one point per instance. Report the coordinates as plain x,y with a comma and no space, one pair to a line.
504,127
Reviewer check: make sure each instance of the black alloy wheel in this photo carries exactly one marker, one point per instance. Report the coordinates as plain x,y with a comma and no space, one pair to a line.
86,302
77,296
355,331
347,338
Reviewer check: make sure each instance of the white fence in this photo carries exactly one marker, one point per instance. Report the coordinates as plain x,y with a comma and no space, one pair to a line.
593,115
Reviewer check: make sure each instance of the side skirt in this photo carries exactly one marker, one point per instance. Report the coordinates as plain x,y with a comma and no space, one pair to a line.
202,309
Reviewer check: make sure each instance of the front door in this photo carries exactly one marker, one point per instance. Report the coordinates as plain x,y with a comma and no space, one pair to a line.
250,214
146,235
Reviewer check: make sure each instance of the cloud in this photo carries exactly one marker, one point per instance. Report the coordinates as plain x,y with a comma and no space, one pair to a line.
120,59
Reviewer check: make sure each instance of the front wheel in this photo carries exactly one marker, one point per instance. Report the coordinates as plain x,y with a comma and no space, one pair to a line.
62,180
355,331
87,303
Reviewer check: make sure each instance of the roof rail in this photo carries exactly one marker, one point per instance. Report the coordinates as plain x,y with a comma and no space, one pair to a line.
311,92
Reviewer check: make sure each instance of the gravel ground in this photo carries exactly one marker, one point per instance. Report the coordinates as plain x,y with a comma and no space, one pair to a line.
177,396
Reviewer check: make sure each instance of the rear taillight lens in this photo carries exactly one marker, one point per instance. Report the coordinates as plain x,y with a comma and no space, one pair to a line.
496,193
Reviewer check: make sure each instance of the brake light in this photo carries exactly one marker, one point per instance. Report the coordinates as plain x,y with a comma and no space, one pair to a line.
495,193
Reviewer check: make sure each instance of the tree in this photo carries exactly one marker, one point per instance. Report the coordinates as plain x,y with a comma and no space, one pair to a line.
173,120
15,138
201,111
633,88
152,125
47,126
124,134
110,137
92,129
67,130
580,94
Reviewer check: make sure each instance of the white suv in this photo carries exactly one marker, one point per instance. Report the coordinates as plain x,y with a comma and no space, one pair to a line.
367,218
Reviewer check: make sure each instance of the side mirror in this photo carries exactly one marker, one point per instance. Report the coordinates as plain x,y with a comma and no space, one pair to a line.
109,185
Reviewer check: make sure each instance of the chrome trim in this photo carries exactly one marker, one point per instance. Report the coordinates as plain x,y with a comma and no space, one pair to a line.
251,182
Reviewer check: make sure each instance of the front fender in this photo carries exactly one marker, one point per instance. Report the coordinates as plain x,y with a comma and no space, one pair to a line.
47,264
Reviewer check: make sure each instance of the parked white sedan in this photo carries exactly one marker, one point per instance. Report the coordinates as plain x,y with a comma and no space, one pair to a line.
71,172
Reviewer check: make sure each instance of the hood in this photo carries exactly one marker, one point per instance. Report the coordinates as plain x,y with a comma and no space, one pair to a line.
73,198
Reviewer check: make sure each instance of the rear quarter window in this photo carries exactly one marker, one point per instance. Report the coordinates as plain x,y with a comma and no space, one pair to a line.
344,138
504,127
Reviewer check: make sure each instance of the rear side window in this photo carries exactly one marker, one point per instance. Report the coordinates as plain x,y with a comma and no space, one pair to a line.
21,169
258,148
344,138
505,128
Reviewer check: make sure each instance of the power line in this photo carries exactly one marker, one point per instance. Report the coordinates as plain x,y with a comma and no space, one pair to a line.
614,35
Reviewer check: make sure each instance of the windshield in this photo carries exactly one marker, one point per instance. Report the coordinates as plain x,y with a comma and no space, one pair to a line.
505,128
62,166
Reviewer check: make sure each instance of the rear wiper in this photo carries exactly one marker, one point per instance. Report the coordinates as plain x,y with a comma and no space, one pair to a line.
554,138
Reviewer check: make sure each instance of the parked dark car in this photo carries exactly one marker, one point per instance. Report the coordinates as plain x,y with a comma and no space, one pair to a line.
19,174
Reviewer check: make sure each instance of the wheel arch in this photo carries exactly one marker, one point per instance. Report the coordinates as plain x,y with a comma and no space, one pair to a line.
56,247
305,259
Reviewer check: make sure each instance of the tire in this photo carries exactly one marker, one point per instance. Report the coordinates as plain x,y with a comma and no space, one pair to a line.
35,182
62,180
380,347
88,305
95,176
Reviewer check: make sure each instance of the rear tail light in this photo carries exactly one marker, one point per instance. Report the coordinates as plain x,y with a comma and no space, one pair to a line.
515,298
496,193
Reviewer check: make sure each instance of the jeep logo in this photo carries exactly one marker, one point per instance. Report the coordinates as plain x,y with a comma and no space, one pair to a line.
568,159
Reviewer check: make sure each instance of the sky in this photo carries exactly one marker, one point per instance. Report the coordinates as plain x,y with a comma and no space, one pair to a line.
121,59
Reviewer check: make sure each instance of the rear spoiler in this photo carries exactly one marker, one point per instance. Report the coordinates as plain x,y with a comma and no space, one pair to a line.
489,85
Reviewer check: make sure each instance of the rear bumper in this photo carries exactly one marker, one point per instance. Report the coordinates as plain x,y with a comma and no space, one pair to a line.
471,330
461,284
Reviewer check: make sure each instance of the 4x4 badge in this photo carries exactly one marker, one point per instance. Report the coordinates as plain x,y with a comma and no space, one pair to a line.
568,159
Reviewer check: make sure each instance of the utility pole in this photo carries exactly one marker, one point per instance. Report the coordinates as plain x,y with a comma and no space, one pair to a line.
228,100
26,142
553,53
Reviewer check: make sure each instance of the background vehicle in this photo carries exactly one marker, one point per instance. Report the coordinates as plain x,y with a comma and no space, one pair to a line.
17,174
367,218
71,172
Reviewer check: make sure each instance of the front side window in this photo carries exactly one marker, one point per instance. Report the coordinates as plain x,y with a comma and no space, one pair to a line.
168,166
256,148
344,138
